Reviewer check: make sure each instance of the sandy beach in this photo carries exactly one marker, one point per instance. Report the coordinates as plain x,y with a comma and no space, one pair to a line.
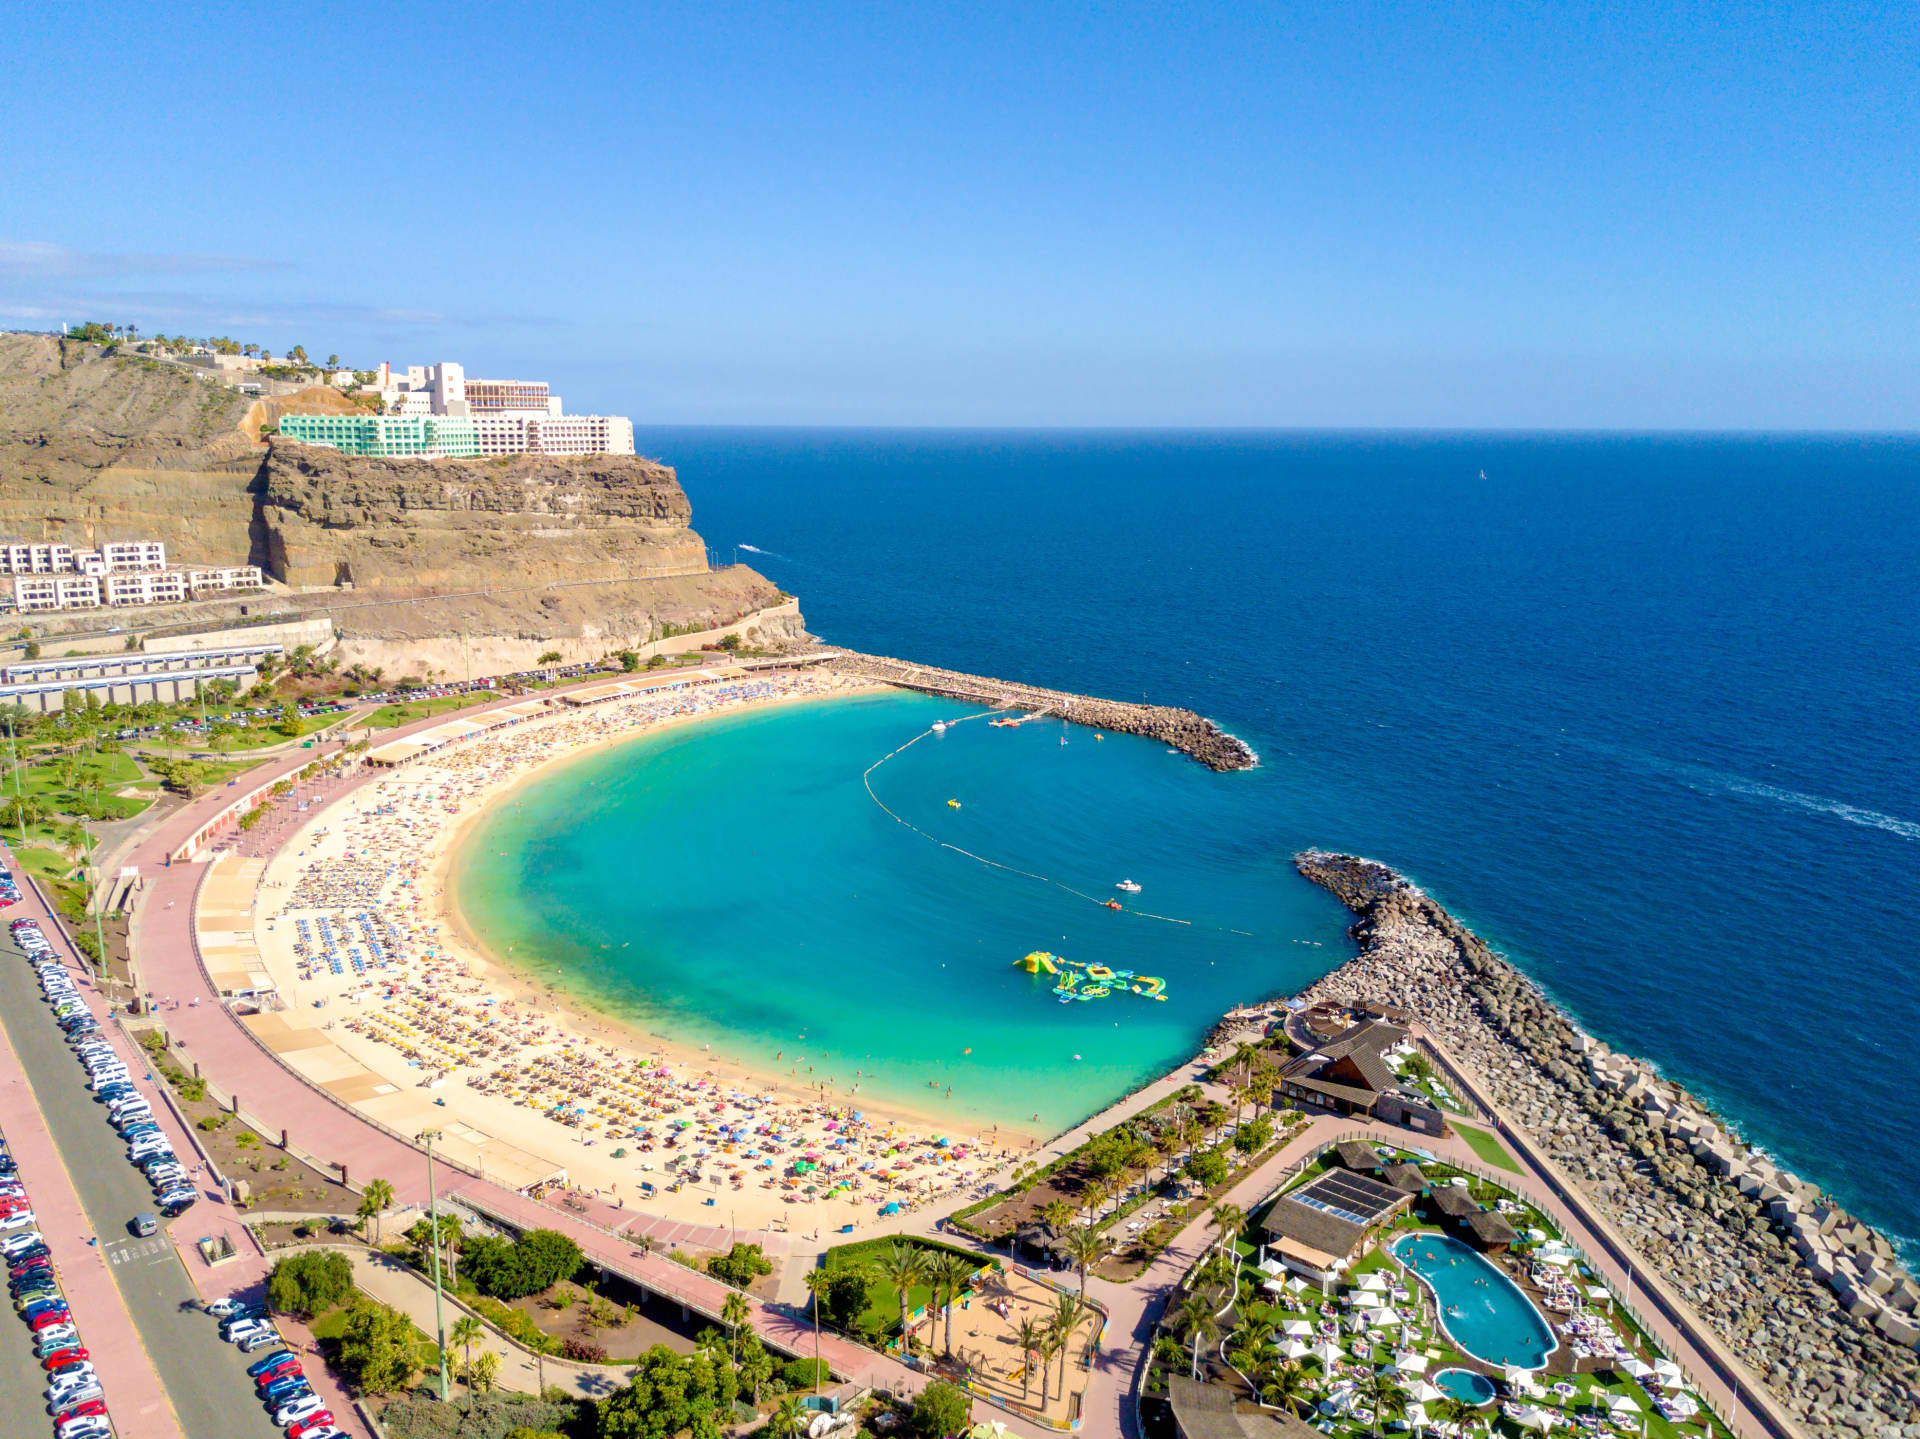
356,921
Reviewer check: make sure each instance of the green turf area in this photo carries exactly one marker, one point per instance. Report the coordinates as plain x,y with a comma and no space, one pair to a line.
882,1314
49,867
394,715
82,783
1488,1147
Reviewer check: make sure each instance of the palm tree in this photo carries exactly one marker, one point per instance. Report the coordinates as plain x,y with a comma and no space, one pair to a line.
447,1231
1032,1339
374,1201
949,1274
1196,1318
542,1345
819,1282
1459,1413
1287,1388
465,1330
789,1419
903,1266
1085,1248
1063,1320
735,1312
1386,1398
1229,1219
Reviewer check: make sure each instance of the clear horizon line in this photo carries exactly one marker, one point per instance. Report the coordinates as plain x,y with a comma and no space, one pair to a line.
1606,431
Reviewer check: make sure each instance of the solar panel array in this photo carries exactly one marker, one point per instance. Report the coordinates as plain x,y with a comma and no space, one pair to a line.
1352,1197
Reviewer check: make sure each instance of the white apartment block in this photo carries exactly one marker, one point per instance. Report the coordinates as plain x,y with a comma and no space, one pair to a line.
123,588
225,577
29,559
56,592
146,587
554,435
22,558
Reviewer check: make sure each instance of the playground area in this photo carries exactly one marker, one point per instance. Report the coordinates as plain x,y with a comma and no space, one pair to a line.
987,1352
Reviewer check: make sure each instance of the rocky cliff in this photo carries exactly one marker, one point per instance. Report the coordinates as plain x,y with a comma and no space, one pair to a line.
515,554
438,524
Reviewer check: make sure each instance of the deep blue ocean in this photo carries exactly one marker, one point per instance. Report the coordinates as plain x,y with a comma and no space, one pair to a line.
1642,710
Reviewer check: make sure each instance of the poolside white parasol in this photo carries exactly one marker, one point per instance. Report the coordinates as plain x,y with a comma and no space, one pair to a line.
1327,1353
1426,1393
1667,1373
1294,1349
1374,1282
1635,1367
1296,1329
1520,1381
1623,1404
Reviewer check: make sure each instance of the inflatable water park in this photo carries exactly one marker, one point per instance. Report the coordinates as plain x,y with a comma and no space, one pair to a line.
1077,981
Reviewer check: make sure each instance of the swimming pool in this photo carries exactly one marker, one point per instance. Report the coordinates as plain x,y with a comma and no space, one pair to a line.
1481,1309
1467,1384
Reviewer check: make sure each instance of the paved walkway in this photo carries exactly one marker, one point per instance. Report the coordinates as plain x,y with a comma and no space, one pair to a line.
133,1392
280,1101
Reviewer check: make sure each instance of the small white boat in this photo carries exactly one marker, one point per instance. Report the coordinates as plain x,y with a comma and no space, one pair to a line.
939,726
1129,886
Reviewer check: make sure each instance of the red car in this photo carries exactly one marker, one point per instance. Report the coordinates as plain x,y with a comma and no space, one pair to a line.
63,1356
279,1371
81,1411
312,1424
50,1318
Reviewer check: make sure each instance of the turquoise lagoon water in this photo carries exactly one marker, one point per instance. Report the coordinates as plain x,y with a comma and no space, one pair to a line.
732,883
1482,1309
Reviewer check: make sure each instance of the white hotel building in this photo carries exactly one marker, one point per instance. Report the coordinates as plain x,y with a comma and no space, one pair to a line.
119,573
511,417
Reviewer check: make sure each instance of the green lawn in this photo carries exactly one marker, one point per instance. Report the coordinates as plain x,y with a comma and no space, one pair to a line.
1488,1147
394,715
882,1314
49,781
49,867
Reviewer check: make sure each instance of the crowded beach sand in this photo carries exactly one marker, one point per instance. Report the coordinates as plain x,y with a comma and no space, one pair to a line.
357,929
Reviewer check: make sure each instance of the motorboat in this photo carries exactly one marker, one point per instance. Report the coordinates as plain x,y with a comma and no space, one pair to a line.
1129,886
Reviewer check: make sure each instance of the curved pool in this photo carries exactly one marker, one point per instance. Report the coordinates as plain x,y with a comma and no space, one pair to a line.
1480,1309
1468,1384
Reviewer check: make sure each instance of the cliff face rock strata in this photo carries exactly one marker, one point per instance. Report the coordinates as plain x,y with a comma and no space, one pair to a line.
1686,1193
518,519
1193,735
508,557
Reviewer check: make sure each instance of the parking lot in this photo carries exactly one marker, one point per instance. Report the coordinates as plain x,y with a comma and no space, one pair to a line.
205,1379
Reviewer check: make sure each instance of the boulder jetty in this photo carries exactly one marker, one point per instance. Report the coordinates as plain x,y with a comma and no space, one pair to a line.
1810,1297
1193,735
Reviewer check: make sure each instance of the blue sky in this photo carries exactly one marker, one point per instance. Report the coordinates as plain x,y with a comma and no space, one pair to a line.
1496,215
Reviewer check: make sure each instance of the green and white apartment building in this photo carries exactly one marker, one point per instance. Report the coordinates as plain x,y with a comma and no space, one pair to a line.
435,411
423,436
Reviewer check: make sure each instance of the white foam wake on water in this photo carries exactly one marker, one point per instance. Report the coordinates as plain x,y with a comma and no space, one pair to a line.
1792,798
1716,781
756,550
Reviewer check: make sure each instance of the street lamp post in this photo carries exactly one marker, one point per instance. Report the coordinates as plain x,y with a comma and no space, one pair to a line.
433,1247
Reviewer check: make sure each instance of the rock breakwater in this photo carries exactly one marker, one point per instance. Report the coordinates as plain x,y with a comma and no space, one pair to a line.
1809,1297
1193,735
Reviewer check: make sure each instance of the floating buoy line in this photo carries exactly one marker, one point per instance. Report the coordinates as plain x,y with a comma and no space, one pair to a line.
941,727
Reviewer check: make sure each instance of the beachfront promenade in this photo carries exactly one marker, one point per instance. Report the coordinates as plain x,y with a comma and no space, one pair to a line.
316,1123
283,1104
